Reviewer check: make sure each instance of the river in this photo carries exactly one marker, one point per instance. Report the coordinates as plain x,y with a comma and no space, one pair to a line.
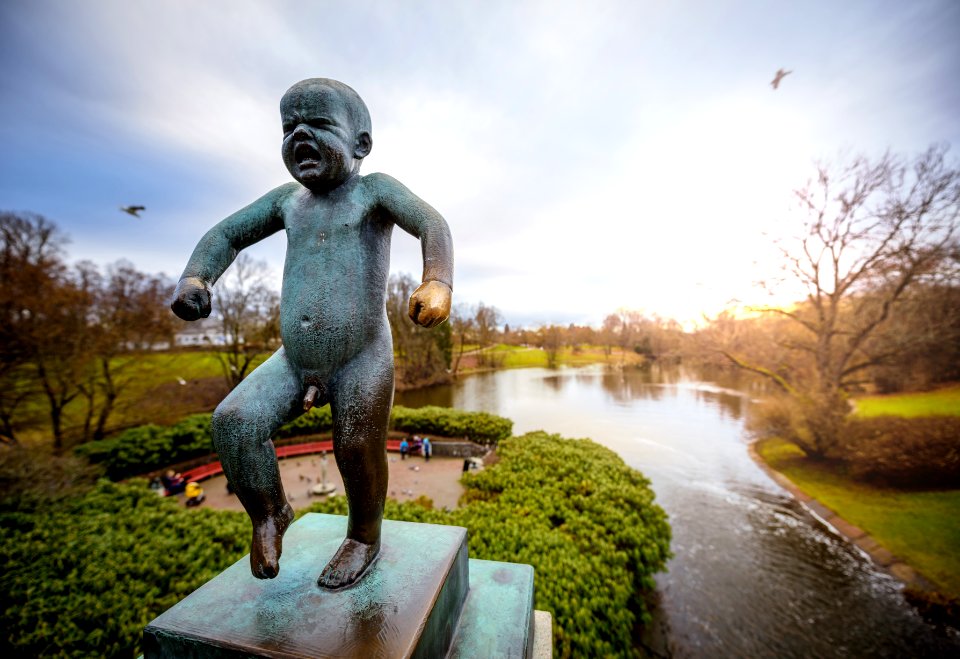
753,573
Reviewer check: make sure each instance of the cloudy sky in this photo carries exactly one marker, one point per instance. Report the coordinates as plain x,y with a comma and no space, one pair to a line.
587,155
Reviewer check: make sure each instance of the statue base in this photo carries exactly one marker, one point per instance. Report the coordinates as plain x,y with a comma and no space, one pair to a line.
423,597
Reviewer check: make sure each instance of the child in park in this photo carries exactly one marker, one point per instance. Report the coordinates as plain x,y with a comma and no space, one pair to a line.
337,346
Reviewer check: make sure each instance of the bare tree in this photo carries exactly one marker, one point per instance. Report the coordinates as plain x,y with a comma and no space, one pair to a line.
463,328
31,263
249,314
923,337
46,318
872,230
128,315
552,341
422,355
608,333
486,321
61,336
68,333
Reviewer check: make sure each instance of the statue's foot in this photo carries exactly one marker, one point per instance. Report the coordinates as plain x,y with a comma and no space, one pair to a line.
348,564
268,543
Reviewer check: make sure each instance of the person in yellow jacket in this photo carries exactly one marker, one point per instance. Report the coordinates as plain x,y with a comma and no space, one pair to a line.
194,494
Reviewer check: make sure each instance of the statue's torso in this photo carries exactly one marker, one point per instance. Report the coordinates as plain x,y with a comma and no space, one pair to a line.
335,276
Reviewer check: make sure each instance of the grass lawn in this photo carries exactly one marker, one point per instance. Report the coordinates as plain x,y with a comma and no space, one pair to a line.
524,357
149,392
941,402
922,528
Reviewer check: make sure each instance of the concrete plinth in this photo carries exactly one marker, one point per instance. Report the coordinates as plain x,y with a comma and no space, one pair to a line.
422,598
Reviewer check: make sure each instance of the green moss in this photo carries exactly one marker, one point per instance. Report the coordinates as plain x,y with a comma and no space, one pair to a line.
921,528
942,402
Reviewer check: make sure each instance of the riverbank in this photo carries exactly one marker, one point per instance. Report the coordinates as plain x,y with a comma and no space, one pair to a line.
504,356
912,536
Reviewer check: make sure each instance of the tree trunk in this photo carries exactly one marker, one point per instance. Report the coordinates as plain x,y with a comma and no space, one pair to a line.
7,433
109,399
90,393
56,426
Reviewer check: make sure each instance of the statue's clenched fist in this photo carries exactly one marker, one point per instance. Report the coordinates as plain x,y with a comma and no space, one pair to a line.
430,303
191,300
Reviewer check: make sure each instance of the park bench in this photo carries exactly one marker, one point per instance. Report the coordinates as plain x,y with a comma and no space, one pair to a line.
203,471
304,449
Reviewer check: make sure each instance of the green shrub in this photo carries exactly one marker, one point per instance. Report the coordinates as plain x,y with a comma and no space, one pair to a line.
148,448
83,577
31,477
588,525
906,452
316,421
479,427
584,520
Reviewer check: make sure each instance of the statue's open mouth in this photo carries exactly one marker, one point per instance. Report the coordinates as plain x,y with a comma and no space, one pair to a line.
306,155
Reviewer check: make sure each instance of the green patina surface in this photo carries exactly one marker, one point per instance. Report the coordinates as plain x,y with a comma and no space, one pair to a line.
497,618
390,612
337,346
413,603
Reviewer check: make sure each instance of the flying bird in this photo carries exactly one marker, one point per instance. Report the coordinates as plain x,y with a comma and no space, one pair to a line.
133,210
781,74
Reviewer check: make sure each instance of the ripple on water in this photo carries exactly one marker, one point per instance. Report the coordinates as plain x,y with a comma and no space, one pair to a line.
754,574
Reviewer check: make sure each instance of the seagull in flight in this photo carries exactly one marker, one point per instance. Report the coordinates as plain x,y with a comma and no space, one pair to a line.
133,210
781,74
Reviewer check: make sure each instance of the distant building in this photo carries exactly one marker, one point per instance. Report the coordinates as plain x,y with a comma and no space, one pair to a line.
203,332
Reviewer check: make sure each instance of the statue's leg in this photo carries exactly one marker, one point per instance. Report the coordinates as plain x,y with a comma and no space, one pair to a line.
242,426
360,399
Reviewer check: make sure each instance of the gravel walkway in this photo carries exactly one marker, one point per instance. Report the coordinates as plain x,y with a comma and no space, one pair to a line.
438,479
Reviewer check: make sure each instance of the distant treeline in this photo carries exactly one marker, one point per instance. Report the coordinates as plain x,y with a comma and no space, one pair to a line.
65,330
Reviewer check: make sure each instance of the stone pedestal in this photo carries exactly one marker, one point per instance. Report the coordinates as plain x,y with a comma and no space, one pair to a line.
422,598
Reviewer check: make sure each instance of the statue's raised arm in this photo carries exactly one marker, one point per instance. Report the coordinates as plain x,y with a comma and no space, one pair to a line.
220,246
430,303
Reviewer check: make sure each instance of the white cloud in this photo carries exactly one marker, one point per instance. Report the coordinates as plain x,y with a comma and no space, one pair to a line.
587,157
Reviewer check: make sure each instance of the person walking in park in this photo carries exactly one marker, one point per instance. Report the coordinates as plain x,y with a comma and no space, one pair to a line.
404,448
427,449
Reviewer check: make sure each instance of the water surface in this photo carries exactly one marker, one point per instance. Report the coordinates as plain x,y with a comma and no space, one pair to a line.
754,574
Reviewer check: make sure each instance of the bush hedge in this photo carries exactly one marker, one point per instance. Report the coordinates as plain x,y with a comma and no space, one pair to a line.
83,577
904,452
317,420
480,427
584,520
148,448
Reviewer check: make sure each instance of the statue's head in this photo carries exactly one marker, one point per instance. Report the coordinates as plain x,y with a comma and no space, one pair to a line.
326,132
